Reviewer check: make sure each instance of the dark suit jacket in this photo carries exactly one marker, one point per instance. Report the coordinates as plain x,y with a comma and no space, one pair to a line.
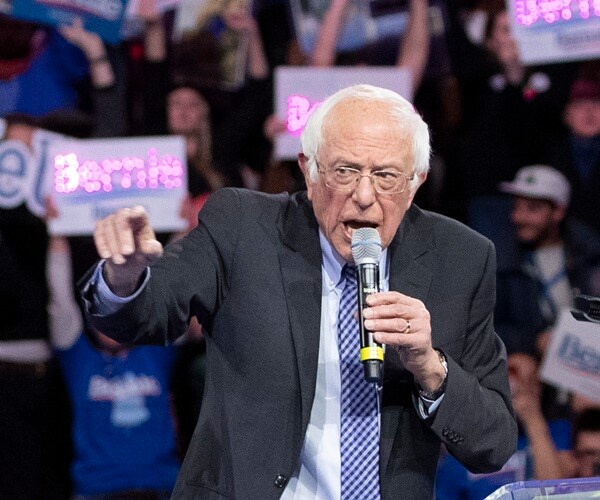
251,272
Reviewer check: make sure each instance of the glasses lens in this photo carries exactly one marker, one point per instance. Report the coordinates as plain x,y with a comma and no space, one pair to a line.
384,181
342,178
388,181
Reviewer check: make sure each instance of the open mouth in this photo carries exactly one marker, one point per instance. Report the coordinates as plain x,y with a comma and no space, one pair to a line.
352,225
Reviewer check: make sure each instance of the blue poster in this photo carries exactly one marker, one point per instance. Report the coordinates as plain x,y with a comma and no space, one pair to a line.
104,17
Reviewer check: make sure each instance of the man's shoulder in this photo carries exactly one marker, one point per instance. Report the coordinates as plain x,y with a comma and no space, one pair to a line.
245,208
250,199
446,229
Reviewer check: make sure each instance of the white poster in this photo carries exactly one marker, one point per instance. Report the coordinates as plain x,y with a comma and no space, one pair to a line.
556,31
299,90
92,178
572,361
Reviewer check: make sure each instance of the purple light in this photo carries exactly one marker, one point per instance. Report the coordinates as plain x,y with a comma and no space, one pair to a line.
153,172
299,110
528,12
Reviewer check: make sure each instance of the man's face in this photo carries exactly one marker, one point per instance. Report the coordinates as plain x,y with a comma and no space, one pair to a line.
360,135
187,111
502,42
582,116
587,451
537,221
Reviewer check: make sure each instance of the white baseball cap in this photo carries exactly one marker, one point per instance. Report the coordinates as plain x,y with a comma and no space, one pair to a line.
540,182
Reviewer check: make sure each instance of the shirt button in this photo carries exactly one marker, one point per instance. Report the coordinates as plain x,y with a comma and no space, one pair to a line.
280,481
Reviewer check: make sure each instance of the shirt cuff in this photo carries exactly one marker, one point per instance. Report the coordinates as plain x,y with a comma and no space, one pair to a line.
104,301
426,408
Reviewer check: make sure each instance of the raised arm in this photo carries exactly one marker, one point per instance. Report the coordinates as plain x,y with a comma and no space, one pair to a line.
329,32
413,52
65,318
155,37
239,19
101,70
110,115
548,462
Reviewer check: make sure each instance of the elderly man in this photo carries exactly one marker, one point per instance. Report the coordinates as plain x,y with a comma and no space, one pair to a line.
271,280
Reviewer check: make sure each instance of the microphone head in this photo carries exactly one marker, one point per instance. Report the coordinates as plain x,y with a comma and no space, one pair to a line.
366,246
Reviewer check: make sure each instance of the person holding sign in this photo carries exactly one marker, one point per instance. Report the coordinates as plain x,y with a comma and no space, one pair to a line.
272,281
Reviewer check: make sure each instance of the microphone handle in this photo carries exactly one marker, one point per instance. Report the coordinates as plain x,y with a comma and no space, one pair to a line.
371,353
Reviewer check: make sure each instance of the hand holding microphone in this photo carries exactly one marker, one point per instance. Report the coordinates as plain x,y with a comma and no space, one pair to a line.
366,250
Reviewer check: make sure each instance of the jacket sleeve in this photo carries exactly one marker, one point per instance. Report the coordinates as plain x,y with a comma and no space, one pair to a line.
188,280
475,420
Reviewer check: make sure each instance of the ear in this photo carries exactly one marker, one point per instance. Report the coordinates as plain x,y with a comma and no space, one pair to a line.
413,191
303,164
559,213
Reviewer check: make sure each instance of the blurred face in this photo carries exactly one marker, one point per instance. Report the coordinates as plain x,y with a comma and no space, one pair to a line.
537,221
583,117
587,451
364,136
501,41
187,111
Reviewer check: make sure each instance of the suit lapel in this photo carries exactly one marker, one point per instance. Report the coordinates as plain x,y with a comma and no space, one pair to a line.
409,275
300,260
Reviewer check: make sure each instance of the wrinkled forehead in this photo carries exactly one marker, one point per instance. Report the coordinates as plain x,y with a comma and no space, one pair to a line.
359,117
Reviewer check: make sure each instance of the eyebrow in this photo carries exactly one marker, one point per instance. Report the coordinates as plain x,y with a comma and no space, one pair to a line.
341,162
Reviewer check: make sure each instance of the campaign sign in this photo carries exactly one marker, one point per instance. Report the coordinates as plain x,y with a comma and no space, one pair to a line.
23,174
299,90
92,178
103,17
556,30
573,358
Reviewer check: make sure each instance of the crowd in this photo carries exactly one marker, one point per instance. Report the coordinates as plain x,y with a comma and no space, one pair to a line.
516,156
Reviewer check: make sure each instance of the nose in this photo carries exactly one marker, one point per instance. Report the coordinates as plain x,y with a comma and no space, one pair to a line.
364,195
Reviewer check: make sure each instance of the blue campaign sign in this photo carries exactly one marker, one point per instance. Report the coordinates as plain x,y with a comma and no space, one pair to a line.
104,17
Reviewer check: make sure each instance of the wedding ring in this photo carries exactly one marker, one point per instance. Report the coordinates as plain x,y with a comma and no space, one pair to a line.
407,327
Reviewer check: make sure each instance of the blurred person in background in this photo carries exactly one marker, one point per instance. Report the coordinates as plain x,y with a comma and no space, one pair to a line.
557,257
586,443
506,110
123,428
577,151
34,456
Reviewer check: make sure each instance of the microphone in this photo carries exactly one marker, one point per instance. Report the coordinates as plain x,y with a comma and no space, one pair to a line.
366,250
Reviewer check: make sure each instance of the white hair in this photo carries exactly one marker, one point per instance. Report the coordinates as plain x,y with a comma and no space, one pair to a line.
408,121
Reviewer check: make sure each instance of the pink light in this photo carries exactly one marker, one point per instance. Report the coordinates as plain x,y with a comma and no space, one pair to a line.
152,172
528,12
299,110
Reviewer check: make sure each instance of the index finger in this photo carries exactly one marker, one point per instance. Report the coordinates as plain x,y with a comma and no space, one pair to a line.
387,298
129,224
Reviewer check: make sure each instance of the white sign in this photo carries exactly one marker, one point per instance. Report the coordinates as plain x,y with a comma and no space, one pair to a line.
556,31
92,178
23,173
300,90
572,361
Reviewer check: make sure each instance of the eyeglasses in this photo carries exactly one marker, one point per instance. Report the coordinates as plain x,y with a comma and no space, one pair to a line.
346,179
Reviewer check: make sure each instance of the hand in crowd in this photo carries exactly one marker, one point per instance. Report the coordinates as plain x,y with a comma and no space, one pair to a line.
89,42
94,49
128,243
404,323
525,386
148,11
274,126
